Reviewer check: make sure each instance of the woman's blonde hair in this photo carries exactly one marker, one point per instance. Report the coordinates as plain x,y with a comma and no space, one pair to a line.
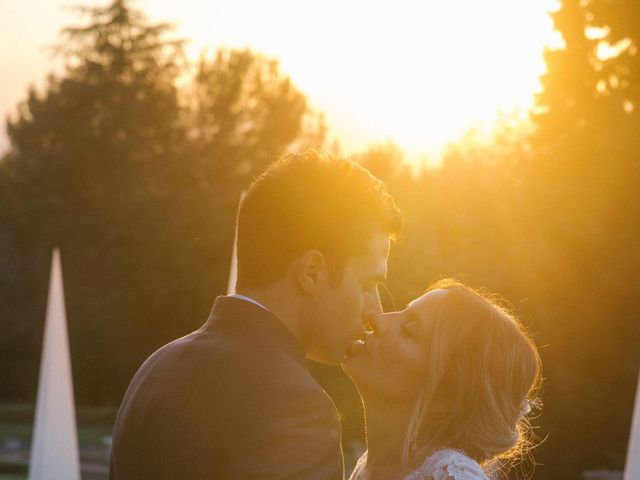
483,372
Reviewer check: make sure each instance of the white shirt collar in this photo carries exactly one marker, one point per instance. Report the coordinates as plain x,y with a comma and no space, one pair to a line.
247,299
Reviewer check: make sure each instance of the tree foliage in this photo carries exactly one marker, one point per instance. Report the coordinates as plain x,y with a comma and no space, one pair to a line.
550,218
245,110
137,183
584,188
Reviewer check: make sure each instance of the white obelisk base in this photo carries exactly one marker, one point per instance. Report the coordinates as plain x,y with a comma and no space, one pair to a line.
632,466
54,449
233,270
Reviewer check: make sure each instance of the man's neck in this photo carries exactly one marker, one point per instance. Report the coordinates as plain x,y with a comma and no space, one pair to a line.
247,299
280,301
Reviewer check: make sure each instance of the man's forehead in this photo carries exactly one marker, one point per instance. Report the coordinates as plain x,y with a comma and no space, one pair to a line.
374,262
379,245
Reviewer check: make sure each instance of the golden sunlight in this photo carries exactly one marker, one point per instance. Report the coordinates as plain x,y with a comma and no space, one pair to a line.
412,72
416,73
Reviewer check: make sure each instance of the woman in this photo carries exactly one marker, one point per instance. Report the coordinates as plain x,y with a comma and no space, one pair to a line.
446,385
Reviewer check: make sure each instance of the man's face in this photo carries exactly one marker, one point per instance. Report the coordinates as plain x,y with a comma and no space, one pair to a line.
341,310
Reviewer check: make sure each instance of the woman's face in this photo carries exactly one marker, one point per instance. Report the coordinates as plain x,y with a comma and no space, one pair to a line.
390,363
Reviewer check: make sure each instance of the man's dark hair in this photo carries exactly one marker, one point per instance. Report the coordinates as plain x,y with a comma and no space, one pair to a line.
310,201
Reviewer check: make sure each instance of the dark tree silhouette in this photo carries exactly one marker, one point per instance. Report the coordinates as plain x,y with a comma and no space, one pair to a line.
136,185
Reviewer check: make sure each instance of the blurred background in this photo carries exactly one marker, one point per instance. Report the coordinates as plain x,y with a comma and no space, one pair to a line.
508,131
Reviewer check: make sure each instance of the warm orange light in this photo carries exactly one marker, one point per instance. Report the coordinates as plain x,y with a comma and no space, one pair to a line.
418,73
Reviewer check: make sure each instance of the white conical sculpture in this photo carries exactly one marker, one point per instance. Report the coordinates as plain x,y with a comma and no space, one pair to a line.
233,271
54,449
632,467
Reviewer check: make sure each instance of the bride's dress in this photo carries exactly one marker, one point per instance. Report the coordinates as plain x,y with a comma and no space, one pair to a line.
447,464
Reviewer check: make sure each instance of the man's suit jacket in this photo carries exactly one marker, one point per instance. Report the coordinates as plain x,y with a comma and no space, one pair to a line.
232,400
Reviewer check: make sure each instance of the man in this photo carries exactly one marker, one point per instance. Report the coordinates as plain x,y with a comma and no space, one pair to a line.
234,400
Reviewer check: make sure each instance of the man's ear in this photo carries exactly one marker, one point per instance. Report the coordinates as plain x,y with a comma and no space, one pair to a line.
311,270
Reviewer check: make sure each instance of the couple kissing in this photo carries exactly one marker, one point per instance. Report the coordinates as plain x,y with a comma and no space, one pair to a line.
446,383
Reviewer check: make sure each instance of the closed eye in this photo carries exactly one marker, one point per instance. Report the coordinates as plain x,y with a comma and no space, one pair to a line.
411,325
409,328
371,286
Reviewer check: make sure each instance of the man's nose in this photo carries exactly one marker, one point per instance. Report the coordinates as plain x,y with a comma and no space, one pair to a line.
373,305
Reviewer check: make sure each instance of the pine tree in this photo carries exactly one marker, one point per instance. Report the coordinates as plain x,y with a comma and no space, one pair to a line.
246,112
98,160
137,181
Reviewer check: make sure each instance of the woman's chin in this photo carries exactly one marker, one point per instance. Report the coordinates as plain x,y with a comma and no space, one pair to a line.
352,365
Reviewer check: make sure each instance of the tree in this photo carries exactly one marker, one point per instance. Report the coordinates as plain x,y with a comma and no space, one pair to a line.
569,96
246,112
583,194
137,187
621,73
92,157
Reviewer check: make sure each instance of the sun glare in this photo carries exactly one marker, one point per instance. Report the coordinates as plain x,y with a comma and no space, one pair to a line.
416,73
413,72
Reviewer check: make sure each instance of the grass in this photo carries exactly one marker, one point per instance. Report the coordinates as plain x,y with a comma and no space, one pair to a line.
16,427
25,413
19,431
88,436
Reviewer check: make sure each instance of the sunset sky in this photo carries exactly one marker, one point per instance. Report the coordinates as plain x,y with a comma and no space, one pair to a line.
418,73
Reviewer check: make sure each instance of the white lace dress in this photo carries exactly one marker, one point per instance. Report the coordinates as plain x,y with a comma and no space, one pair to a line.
447,464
